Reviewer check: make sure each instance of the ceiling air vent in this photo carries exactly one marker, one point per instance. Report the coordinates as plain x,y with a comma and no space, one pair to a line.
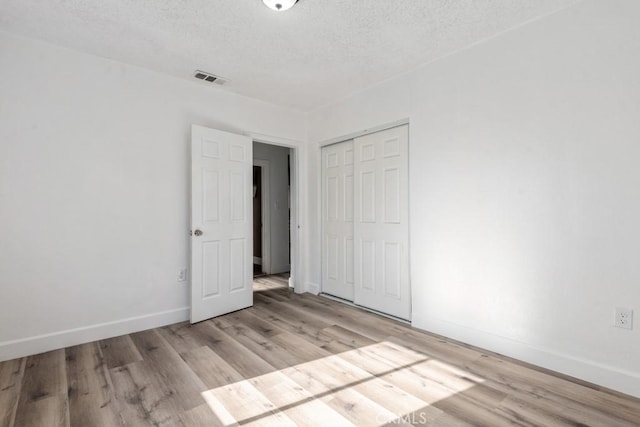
208,77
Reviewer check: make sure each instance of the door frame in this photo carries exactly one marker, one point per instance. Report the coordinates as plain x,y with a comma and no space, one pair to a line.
266,218
298,181
363,132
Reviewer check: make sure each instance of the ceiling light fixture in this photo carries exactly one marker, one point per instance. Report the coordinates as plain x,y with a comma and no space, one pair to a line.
279,5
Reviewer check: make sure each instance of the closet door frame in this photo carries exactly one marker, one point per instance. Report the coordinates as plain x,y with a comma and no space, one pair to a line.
405,312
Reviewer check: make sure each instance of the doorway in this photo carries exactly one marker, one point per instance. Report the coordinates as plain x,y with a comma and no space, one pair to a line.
258,219
272,210
222,219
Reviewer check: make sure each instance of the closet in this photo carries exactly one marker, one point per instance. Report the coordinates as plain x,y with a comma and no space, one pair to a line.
365,220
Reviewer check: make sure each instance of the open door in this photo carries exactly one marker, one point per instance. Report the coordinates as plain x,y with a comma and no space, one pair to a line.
221,223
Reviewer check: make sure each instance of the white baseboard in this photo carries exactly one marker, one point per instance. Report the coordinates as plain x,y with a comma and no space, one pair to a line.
41,343
312,288
606,376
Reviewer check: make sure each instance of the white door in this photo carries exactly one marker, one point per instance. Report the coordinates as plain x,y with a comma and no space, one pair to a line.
221,223
337,220
381,226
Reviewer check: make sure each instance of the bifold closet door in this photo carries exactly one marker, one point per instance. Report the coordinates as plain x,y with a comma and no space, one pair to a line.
337,220
381,226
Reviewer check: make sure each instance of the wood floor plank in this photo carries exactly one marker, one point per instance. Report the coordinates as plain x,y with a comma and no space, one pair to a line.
250,320
566,411
200,416
249,364
242,403
263,347
183,336
298,404
445,420
343,315
393,398
468,407
269,283
451,390
334,381
530,384
90,392
390,394
142,401
43,396
369,359
276,387
302,325
297,315
154,390
295,359
434,347
343,339
11,374
212,369
527,413
303,349
119,351
358,409
283,356
171,372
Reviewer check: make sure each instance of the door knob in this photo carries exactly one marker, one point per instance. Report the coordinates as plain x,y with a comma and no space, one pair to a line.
198,233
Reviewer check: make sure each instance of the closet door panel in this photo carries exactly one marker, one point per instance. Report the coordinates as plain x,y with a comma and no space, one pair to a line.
337,220
381,222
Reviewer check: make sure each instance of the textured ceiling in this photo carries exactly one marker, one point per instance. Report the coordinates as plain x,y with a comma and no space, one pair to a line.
312,55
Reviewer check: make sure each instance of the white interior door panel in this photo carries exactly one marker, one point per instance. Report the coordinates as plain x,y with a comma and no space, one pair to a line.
221,223
381,226
337,220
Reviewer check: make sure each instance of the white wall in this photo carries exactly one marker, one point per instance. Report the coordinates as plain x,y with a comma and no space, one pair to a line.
524,204
278,204
524,189
94,191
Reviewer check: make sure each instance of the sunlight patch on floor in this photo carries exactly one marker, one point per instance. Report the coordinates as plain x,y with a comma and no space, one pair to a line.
371,385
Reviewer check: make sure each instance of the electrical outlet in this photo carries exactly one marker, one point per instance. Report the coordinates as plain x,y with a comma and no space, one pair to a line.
624,318
182,275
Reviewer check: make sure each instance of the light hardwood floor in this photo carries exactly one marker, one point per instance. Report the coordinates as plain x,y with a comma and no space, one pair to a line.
294,360
270,282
